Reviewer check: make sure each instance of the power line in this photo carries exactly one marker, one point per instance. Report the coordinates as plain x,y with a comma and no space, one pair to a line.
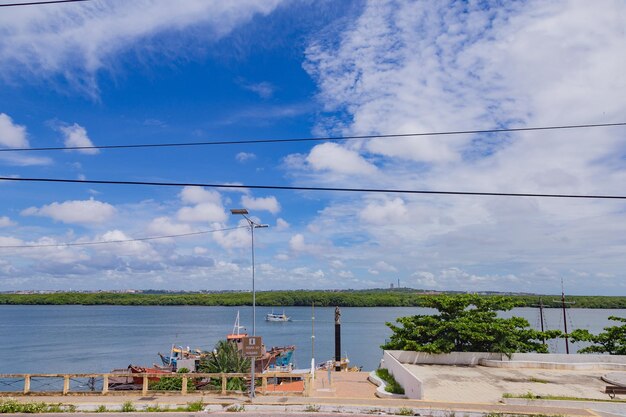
296,188
103,242
35,3
316,139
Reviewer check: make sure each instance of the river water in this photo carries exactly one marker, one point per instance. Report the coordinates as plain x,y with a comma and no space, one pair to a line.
82,339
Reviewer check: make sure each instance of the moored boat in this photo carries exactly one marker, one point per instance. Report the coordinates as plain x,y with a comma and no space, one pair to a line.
277,317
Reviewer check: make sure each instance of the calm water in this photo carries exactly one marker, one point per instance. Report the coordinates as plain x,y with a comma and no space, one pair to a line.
57,339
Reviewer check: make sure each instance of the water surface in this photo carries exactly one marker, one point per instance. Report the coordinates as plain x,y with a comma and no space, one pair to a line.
82,339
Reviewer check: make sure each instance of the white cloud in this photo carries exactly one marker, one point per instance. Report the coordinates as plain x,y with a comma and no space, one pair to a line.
12,135
165,226
78,41
261,203
196,195
437,66
76,136
281,224
384,266
238,238
75,212
245,156
6,221
385,212
264,89
332,157
203,212
208,206
296,243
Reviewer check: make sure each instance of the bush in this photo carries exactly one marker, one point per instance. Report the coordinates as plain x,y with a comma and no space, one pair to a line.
128,407
392,385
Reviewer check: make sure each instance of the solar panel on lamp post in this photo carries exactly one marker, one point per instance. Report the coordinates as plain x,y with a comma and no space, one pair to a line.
253,225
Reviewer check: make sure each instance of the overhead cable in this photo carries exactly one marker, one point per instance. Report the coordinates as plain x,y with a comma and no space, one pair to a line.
104,242
37,3
310,139
337,189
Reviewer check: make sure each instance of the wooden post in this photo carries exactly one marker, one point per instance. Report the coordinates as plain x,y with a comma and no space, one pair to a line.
66,384
223,383
183,389
144,389
264,385
105,384
26,384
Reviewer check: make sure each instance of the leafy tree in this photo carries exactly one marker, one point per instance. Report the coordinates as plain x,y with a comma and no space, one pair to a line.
226,358
467,323
612,340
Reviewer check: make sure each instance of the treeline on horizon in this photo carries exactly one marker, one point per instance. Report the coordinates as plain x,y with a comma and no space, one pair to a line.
347,298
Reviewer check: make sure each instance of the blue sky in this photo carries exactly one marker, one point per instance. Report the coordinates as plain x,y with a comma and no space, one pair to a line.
111,72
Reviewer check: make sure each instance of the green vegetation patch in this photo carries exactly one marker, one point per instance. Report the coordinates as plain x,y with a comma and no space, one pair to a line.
13,406
404,297
531,396
392,385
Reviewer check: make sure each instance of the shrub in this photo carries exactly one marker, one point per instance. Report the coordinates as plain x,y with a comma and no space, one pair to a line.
392,385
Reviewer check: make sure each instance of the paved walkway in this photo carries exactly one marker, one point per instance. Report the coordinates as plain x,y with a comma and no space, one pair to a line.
348,392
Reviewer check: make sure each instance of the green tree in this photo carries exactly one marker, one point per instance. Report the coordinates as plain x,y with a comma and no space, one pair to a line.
467,323
612,340
226,358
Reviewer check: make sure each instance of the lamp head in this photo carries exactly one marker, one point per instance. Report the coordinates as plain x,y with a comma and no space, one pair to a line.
239,211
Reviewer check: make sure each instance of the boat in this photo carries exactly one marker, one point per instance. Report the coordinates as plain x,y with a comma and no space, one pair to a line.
134,369
178,353
277,317
275,359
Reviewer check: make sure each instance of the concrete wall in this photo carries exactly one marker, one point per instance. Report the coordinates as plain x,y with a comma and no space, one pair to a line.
454,358
563,358
412,385
517,360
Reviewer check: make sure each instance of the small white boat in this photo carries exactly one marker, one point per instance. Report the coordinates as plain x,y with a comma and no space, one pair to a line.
277,317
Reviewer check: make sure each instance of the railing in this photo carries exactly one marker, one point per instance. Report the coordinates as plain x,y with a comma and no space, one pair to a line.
102,384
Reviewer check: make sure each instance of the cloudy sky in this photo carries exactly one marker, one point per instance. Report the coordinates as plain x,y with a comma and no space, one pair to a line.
109,72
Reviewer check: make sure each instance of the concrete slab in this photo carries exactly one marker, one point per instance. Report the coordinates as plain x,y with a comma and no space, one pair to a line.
485,384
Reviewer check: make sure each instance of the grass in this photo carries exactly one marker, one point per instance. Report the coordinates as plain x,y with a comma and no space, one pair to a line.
312,408
13,406
405,412
392,385
236,408
530,396
128,407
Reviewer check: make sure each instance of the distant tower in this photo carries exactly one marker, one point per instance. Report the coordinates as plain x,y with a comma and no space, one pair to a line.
398,282
391,285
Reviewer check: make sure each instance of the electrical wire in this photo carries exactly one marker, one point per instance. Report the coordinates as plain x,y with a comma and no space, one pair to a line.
296,188
317,139
36,3
104,242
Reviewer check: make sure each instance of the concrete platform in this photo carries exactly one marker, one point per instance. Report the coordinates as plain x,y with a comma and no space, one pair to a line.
485,384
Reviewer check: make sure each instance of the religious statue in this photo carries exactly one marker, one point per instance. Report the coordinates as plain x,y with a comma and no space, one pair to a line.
337,315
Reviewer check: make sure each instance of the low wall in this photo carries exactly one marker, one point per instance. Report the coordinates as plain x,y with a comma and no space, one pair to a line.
517,360
563,358
453,358
411,384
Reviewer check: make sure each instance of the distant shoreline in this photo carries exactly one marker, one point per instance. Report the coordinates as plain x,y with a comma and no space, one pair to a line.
355,298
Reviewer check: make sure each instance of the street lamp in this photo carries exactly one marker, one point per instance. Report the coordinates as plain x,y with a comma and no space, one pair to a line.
253,225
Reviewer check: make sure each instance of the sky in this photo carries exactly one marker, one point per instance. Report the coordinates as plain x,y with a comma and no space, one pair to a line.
113,72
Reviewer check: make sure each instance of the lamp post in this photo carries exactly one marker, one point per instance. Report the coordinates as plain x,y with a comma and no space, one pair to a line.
253,225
